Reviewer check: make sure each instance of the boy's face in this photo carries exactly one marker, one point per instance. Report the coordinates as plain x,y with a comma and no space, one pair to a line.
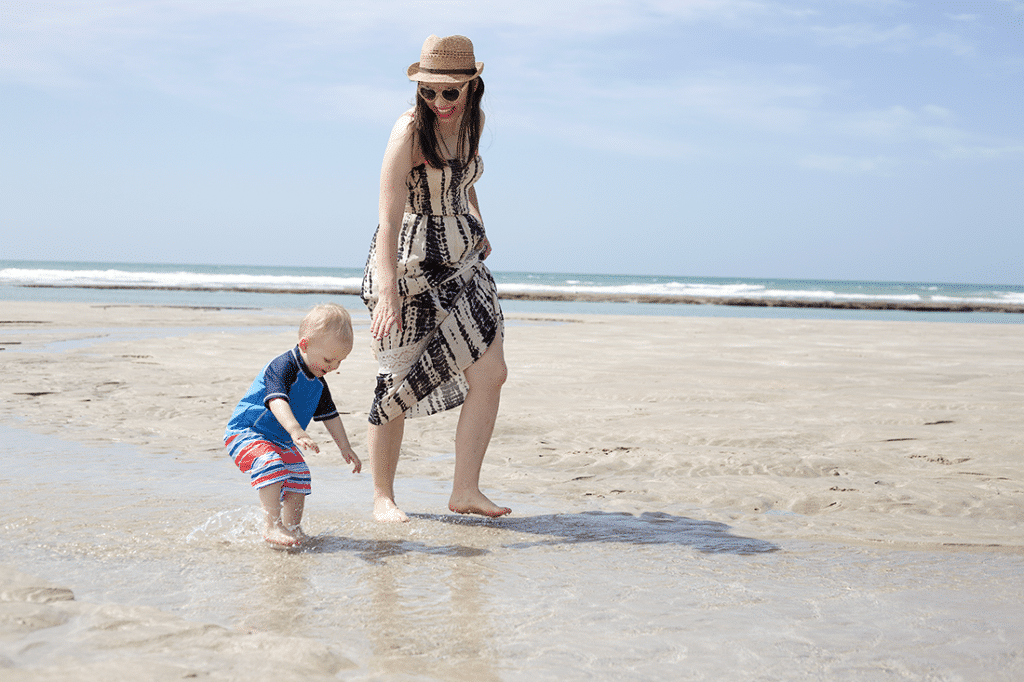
323,353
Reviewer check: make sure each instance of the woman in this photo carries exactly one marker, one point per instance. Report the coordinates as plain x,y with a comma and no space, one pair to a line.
436,323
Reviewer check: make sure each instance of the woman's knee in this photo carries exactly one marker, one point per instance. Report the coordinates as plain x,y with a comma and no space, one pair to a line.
498,373
490,371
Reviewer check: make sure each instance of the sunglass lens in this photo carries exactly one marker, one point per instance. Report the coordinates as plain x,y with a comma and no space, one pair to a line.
451,94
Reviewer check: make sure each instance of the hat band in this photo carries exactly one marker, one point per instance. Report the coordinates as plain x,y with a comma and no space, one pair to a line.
448,72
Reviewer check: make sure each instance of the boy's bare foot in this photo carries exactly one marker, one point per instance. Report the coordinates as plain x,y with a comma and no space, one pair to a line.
282,537
476,504
386,511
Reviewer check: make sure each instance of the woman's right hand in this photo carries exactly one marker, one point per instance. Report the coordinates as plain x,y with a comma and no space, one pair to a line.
386,314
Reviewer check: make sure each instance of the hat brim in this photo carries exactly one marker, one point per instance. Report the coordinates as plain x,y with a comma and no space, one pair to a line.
415,73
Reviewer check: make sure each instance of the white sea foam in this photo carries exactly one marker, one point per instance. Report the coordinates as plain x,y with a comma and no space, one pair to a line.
704,290
347,280
1008,297
637,288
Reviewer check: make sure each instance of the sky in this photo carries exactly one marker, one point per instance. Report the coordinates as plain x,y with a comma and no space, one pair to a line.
809,139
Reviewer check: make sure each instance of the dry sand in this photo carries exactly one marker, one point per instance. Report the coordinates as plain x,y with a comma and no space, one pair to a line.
735,436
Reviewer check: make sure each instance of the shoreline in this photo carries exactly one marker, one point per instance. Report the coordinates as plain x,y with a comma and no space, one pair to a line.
591,297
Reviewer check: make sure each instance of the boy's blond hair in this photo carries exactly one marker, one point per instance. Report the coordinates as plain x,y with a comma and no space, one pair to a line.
326,318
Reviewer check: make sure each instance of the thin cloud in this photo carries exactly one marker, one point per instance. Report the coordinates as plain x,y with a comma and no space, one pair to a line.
788,115
850,165
969,18
323,60
860,35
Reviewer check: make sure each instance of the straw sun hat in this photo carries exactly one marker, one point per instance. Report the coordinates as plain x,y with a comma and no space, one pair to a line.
446,60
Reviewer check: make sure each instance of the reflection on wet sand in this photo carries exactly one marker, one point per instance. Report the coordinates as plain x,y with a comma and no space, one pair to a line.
649,528
282,594
436,605
376,551
426,618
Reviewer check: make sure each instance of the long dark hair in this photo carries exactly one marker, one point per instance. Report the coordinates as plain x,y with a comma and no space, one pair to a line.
425,119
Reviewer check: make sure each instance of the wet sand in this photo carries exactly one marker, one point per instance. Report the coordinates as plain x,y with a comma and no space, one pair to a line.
694,498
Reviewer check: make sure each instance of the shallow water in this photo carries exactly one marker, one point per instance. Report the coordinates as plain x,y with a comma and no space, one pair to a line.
544,595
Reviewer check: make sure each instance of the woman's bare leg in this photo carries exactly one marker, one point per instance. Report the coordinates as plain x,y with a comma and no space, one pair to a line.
385,445
473,434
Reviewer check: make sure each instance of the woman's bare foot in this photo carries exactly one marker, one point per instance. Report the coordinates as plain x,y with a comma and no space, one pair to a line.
386,511
476,503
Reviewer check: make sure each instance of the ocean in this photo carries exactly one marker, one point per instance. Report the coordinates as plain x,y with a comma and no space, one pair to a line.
523,292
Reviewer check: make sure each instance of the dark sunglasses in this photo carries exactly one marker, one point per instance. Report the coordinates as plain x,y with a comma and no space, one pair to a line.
451,94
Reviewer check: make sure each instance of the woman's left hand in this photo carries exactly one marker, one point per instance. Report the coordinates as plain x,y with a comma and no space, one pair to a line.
486,249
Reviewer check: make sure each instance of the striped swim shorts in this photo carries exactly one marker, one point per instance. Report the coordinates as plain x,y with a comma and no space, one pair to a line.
268,463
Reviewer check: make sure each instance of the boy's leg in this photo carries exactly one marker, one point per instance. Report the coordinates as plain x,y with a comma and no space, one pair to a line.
292,505
271,467
276,532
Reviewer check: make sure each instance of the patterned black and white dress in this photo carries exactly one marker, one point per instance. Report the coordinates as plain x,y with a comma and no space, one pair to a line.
450,311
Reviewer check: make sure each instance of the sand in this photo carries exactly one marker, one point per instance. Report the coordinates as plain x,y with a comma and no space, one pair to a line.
693,498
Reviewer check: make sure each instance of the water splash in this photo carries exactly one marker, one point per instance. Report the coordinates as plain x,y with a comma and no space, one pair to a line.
234,526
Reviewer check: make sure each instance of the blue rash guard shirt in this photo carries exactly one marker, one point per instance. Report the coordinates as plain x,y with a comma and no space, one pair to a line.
286,376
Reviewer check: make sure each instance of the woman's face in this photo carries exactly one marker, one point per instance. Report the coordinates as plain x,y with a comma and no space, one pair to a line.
444,99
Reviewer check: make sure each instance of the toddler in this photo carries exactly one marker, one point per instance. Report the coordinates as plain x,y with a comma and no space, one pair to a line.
268,427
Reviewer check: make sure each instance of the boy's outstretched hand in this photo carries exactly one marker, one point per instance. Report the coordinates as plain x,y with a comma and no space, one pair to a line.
352,458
